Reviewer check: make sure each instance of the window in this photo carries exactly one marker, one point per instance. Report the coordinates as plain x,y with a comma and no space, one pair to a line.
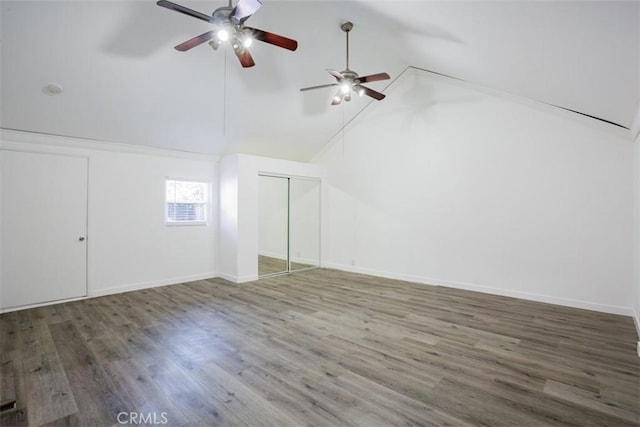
186,202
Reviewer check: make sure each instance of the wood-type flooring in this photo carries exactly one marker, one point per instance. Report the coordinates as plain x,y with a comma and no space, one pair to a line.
270,265
317,348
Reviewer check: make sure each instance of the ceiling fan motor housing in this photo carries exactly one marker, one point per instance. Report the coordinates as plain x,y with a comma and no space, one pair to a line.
350,75
222,16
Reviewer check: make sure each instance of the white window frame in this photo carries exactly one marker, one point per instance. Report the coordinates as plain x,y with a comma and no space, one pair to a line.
206,204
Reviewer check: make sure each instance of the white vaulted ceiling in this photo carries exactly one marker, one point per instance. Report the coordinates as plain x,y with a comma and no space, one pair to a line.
124,82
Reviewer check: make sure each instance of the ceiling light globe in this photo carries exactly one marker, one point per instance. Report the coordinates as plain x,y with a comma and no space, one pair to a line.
345,88
223,35
247,42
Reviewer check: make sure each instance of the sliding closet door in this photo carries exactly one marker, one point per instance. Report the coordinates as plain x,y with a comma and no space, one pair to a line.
43,223
304,223
273,225
288,224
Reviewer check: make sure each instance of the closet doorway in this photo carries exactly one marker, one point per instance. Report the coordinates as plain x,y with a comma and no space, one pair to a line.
288,224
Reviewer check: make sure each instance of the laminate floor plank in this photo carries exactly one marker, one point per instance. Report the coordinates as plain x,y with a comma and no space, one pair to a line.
284,392
319,348
142,392
10,352
90,387
47,392
188,395
589,398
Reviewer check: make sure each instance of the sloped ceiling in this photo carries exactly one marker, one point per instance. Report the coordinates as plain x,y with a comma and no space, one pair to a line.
124,82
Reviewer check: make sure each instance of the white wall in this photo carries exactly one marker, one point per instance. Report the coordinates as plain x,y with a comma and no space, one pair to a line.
229,175
446,184
129,245
239,203
636,198
635,132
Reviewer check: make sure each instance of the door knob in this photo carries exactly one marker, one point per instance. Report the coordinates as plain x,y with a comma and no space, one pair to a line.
81,238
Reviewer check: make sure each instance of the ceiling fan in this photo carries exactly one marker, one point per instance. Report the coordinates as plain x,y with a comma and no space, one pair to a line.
348,80
228,25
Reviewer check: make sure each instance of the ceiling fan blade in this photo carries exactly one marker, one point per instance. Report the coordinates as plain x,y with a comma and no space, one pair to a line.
197,40
372,93
185,10
274,39
246,60
318,87
244,9
336,74
374,77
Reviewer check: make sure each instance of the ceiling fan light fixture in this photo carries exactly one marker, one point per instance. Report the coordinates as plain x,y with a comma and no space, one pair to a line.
360,90
247,40
345,88
223,34
228,25
238,48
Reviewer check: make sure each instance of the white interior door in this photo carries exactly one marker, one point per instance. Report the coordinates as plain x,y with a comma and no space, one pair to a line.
43,226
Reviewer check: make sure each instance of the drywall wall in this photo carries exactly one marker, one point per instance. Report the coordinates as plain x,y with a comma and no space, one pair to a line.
228,231
636,237
239,209
635,132
129,245
447,184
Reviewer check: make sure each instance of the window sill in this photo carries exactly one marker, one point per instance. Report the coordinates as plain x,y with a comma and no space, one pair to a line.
184,223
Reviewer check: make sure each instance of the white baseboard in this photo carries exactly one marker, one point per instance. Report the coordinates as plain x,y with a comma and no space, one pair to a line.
118,290
40,304
151,284
626,311
228,277
248,278
238,279
305,261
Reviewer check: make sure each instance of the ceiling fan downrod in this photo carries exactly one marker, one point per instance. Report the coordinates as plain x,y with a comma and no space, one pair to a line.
346,27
